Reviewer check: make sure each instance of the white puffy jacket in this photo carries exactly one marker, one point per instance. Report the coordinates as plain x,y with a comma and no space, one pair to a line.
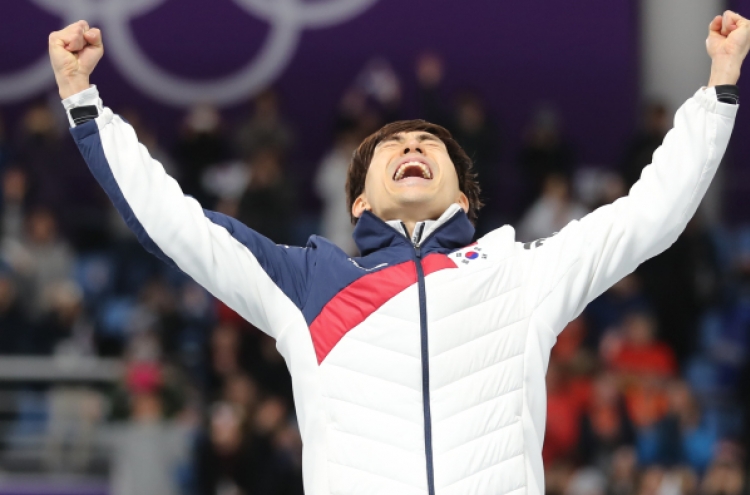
418,368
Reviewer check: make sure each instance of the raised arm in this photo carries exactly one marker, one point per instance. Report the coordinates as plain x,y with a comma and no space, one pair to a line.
573,267
263,282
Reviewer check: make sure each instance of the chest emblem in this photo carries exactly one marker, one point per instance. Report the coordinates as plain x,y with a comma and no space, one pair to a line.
469,254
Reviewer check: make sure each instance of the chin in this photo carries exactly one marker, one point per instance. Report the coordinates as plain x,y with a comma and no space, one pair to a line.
427,208
412,200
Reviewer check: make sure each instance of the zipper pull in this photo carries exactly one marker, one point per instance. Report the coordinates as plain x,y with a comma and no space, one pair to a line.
416,239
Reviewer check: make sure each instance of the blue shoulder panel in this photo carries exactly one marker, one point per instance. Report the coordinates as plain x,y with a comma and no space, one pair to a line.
90,144
289,267
335,271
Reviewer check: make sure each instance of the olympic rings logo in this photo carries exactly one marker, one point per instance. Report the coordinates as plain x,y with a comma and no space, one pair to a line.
287,18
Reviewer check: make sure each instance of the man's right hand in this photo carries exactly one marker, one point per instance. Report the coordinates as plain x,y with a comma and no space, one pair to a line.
74,52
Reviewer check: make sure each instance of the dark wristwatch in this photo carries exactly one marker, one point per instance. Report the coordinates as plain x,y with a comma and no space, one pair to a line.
80,115
728,93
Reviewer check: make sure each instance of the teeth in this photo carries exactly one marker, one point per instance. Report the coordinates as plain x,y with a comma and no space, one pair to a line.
426,174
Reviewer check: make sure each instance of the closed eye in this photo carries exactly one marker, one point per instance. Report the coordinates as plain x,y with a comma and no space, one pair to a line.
388,144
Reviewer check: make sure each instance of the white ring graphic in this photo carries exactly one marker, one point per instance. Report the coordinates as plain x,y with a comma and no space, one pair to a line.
287,20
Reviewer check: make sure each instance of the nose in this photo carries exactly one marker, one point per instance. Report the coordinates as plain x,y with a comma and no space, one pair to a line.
412,146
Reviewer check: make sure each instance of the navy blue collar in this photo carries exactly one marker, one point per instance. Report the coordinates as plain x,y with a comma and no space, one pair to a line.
372,234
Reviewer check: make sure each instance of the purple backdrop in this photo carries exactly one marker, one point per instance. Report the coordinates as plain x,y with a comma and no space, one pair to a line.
582,59
737,199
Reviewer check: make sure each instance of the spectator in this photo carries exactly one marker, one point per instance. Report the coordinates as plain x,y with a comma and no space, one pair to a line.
586,481
40,147
15,188
430,72
148,449
640,353
150,139
356,112
59,180
65,328
226,460
268,204
646,400
226,355
15,334
197,317
644,364
270,369
650,481
477,133
605,426
608,311
242,392
681,282
680,438
41,258
609,189
14,327
265,128
75,415
623,472
681,480
330,182
201,144
563,416
654,126
724,478
554,209
544,152
248,454
159,312
557,477
284,473
379,83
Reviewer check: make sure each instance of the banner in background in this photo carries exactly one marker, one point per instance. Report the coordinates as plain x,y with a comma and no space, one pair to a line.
163,55
287,19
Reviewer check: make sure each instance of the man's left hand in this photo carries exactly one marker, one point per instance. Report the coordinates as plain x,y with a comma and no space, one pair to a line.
727,44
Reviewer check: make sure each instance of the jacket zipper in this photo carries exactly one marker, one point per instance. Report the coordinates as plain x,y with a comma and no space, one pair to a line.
416,242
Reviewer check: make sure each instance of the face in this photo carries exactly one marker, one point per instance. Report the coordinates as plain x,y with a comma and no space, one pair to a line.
411,178
42,227
639,330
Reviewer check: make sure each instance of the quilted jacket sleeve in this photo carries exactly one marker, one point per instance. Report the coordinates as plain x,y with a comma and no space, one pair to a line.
568,270
250,273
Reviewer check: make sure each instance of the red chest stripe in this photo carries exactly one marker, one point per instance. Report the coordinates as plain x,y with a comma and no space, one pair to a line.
360,299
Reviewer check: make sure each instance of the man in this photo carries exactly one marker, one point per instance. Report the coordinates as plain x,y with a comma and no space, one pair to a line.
418,368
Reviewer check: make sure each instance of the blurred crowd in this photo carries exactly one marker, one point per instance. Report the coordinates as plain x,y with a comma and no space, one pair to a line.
647,389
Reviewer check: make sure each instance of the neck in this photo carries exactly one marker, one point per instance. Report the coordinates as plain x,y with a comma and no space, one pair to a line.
411,219
370,236
410,222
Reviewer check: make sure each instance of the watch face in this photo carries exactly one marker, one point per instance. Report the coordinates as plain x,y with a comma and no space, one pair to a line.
84,114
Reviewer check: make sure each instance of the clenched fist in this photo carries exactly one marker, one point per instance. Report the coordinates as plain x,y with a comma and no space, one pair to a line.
728,43
74,52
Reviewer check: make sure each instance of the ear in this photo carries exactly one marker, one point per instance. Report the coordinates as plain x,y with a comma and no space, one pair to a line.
360,206
463,202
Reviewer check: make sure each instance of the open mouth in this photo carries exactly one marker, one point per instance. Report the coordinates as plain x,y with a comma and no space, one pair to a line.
413,169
